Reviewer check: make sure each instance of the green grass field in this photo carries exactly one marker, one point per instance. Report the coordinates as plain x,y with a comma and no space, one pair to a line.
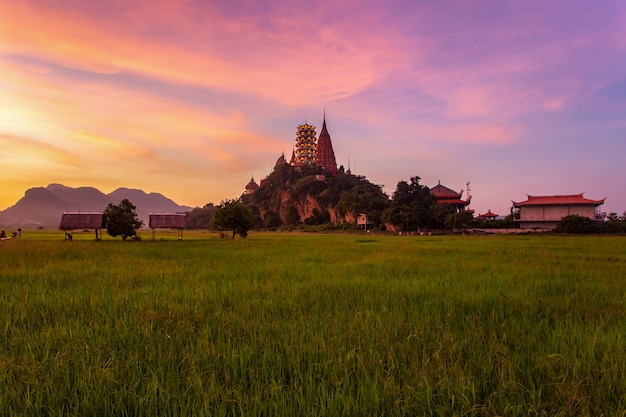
321,325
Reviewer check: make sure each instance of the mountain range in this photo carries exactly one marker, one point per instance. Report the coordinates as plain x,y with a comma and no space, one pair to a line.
42,207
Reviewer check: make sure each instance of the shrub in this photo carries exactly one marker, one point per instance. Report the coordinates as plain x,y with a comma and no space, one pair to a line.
576,224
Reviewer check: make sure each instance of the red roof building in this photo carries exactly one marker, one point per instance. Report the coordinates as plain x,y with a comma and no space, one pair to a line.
445,195
545,212
487,216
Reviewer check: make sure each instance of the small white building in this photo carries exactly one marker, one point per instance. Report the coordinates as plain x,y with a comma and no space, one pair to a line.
364,222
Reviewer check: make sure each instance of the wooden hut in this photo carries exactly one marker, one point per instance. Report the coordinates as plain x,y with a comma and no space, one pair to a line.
167,221
71,221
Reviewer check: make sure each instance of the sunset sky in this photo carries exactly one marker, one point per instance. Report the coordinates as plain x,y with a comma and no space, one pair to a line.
190,98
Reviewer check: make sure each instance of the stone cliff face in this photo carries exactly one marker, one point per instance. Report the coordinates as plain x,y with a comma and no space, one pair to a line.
306,207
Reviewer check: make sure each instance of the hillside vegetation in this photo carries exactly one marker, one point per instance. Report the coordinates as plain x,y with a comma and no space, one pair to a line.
291,196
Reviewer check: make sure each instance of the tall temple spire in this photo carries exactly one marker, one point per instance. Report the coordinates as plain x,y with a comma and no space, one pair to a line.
325,155
305,151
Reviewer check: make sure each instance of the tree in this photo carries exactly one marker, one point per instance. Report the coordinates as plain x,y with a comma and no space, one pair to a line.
317,218
200,218
121,220
234,215
574,223
410,205
437,214
271,219
292,217
366,198
461,220
614,224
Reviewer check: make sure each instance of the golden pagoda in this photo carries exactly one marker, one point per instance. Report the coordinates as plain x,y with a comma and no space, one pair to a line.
305,151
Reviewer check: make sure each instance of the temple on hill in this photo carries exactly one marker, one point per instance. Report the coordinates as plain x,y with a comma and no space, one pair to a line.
308,151
445,195
306,147
325,154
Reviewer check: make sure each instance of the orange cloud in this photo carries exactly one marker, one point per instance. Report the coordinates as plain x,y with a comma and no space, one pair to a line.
19,152
214,52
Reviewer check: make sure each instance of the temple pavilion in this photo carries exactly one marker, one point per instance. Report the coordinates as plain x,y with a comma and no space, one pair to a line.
445,195
487,216
308,151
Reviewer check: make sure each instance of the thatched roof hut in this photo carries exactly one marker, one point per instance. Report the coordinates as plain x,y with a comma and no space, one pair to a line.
77,220
168,221
73,221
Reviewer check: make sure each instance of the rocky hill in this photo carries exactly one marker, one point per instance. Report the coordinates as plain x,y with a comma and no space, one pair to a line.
42,207
309,195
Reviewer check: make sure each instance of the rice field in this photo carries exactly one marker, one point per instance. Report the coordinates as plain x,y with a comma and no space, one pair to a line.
289,324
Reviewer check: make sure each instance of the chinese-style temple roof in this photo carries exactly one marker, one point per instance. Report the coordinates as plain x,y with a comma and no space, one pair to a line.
558,200
72,221
445,195
443,192
453,201
489,214
167,221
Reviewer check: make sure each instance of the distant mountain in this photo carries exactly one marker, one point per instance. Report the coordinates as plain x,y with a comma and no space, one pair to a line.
80,197
42,207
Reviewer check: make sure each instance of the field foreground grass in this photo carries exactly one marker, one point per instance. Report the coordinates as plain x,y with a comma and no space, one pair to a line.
324,325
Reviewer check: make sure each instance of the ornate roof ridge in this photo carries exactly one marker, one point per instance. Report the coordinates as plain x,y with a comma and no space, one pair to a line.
558,199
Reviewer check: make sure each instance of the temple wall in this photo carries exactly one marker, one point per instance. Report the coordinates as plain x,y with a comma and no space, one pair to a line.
554,213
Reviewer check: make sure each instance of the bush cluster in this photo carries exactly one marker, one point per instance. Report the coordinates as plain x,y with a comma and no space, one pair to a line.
575,224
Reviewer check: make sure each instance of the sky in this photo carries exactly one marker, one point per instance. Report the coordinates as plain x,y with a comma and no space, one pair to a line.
192,98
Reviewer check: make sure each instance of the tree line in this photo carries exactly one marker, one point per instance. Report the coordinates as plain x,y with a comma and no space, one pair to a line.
575,224
411,207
